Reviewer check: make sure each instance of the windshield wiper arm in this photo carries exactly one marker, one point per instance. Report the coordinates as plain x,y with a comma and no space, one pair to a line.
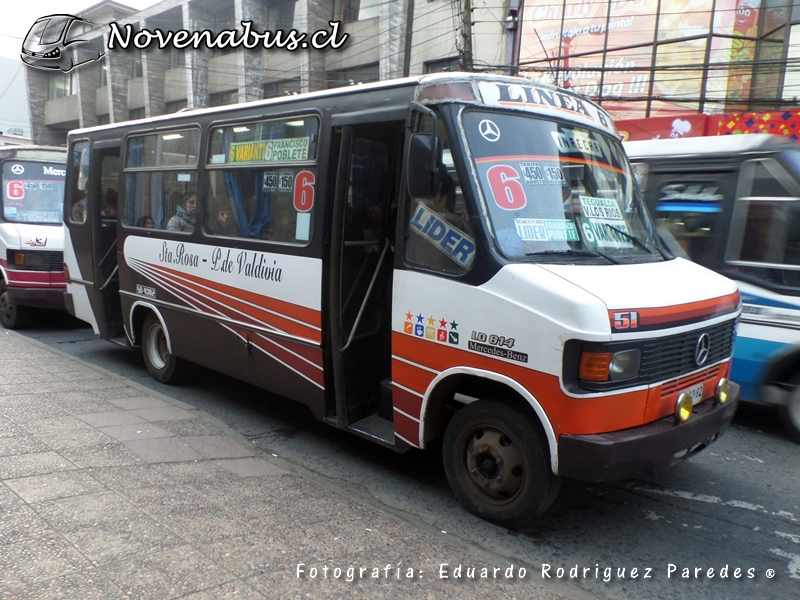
639,242
572,252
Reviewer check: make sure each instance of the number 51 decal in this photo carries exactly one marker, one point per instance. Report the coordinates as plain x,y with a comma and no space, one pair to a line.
626,320
507,190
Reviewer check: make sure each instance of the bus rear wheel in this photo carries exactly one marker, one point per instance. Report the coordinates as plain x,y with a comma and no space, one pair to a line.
162,365
496,461
790,412
11,315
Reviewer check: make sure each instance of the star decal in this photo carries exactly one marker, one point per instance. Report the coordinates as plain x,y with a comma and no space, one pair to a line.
442,323
453,325
431,320
419,318
409,316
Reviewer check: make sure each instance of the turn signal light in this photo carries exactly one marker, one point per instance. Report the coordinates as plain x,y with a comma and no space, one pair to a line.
594,366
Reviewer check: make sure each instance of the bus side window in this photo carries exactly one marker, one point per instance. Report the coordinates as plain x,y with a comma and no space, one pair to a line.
160,179
768,215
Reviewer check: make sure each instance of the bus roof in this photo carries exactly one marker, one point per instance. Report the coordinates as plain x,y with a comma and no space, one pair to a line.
701,146
33,152
419,80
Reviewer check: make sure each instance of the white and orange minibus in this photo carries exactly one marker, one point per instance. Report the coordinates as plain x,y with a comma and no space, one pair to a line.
460,256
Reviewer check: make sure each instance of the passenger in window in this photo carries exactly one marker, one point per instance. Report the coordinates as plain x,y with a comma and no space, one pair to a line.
79,206
184,219
145,221
109,204
283,222
225,223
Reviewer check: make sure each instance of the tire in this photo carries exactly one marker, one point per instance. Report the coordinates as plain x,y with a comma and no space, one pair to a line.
162,365
497,464
790,412
12,316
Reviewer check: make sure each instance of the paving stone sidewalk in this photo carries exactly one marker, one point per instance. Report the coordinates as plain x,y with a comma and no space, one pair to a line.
109,490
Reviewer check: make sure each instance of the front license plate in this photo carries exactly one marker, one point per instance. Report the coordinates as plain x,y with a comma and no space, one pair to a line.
695,392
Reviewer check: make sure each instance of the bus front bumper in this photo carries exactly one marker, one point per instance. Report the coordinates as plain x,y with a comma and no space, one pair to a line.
52,297
644,450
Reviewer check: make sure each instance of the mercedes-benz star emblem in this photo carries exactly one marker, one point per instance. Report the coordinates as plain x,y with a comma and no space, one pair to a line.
701,349
17,169
489,130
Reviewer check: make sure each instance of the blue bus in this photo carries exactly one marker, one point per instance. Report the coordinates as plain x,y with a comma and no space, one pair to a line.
732,203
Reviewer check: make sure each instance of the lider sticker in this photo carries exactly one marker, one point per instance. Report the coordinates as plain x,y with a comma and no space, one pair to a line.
443,236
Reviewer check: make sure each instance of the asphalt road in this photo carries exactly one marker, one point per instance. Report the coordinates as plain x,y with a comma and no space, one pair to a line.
735,508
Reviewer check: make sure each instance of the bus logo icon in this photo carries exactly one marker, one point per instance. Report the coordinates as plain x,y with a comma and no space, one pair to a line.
17,169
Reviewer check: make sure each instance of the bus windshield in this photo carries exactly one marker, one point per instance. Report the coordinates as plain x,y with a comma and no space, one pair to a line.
33,192
555,190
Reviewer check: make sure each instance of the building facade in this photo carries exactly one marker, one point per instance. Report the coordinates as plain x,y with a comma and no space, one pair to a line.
385,39
642,58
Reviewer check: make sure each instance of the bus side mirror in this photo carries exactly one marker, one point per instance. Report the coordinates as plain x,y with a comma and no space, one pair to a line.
422,166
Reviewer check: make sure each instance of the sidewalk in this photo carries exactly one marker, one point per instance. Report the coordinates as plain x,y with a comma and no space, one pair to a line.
109,490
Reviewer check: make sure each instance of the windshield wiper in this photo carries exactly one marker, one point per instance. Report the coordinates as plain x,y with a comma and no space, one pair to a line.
639,242
571,252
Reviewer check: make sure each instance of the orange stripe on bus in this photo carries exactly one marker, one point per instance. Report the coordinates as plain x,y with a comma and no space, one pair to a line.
567,415
414,378
704,309
301,313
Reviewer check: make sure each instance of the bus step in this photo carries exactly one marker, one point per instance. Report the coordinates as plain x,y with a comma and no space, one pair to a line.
385,407
374,427
119,341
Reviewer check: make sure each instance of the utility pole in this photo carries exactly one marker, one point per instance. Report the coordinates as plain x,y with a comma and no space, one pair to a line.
466,34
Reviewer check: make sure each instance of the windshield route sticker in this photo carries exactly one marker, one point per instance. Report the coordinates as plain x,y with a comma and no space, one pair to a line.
570,141
546,230
603,225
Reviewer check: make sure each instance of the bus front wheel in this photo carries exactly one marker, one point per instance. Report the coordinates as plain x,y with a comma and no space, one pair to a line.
11,315
162,365
790,412
496,461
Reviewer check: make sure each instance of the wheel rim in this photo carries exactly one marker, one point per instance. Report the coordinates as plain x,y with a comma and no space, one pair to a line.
495,465
157,349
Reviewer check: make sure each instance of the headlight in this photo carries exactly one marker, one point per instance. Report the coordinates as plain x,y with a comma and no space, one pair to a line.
28,260
54,53
723,390
683,408
613,366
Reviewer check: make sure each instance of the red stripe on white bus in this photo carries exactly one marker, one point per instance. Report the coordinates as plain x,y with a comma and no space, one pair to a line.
309,316
227,304
277,351
406,401
407,428
25,277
